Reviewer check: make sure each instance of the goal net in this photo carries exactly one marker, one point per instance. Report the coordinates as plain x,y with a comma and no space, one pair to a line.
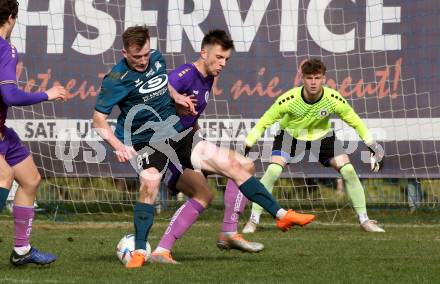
383,61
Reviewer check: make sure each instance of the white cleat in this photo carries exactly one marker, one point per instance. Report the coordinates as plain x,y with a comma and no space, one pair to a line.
371,226
250,227
239,243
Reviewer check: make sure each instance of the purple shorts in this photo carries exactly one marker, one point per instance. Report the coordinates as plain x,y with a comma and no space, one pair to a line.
171,177
12,148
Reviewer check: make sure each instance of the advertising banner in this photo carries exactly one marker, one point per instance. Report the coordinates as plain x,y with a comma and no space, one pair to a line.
382,56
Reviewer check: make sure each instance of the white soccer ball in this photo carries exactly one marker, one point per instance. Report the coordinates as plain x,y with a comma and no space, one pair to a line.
125,249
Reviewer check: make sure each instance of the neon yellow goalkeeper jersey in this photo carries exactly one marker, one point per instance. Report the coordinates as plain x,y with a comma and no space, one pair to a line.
308,121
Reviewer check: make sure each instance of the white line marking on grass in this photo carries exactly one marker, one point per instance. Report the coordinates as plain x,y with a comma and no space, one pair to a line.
12,280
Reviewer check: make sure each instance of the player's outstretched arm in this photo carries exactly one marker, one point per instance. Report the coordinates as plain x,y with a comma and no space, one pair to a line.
101,126
13,96
56,93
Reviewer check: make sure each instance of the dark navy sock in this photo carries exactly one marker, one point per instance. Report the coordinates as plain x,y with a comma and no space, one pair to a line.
143,220
256,192
4,192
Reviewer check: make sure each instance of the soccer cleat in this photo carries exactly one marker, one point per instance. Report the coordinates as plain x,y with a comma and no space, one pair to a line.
250,227
137,260
292,218
33,256
162,257
239,243
371,226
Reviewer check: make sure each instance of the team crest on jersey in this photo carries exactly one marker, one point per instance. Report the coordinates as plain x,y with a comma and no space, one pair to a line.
323,112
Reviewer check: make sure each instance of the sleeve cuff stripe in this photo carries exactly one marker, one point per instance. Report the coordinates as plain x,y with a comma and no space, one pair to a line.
8,82
103,112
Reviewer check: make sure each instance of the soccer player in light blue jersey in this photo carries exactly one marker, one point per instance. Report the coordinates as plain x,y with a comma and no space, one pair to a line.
15,159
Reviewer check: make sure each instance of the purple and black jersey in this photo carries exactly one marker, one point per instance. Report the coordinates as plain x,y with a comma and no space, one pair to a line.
187,80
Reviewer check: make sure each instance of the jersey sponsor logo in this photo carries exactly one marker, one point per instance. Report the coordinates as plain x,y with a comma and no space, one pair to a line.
154,84
149,73
206,96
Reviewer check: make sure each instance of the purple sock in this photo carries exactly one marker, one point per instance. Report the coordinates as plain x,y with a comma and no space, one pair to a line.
235,202
23,217
182,220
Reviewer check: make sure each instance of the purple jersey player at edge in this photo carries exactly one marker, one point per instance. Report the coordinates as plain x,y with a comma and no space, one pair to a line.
196,80
15,159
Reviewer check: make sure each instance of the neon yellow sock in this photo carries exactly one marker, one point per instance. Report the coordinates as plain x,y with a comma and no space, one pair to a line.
269,178
354,189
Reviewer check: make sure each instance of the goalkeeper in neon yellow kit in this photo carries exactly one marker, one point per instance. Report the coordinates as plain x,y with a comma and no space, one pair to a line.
304,113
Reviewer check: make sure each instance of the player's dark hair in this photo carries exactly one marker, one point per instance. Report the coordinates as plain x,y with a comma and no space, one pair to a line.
135,36
313,66
8,8
219,37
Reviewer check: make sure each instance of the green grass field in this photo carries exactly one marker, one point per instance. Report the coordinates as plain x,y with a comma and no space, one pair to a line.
322,253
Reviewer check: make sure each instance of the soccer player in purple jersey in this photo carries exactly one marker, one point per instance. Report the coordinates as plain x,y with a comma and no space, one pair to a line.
15,159
196,80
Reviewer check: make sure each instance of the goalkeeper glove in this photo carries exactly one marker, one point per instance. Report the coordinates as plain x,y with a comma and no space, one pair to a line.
376,156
